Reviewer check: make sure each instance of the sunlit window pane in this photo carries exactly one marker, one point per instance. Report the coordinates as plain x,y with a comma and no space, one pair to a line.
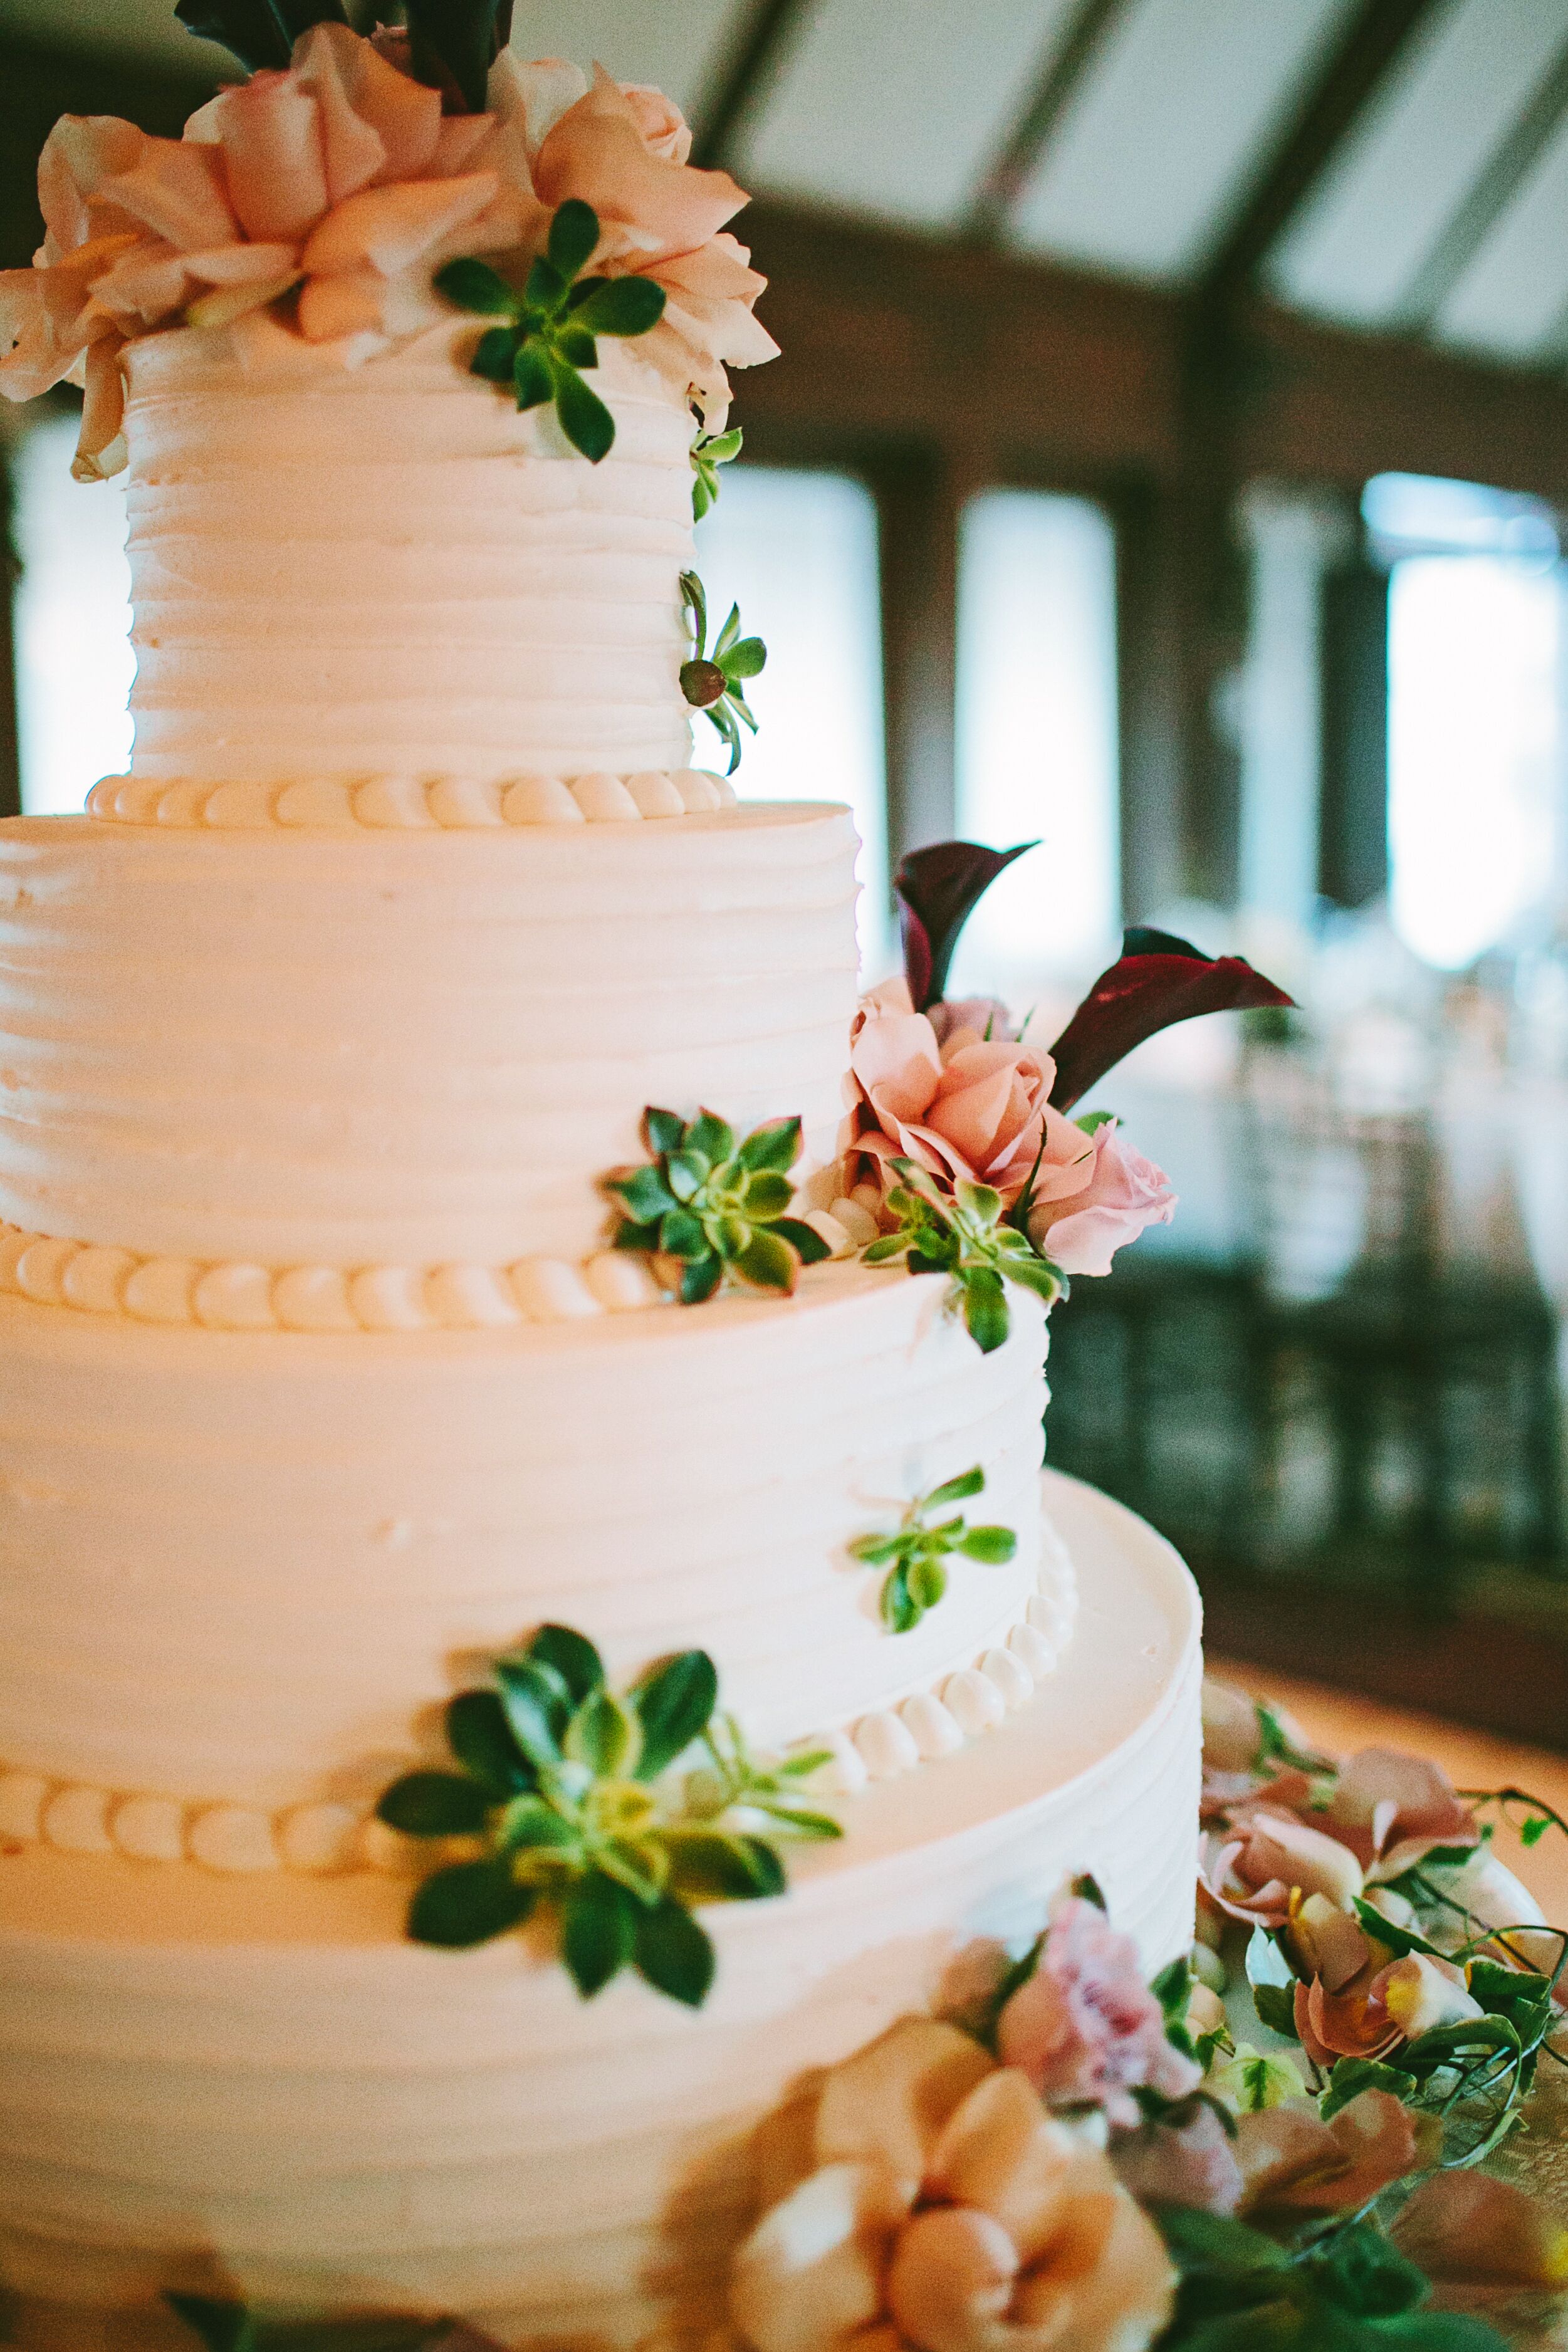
74,662
1038,736
798,552
1473,747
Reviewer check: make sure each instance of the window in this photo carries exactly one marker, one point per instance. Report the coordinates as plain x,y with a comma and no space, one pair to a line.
798,552
74,663
1476,737
1037,737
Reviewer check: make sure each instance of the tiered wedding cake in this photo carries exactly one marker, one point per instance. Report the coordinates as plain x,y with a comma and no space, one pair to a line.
320,1383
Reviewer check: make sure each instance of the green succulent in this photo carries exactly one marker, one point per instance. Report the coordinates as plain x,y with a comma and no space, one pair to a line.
714,1206
916,1555
969,1237
561,1782
714,682
709,452
550,328
732,1777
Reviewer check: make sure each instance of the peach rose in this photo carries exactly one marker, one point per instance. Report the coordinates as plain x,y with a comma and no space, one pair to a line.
964,1109
1125,1193
945,2212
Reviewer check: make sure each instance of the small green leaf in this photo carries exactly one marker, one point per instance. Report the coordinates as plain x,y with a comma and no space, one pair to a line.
700,1280
799,1819
480,1738
747,659
434,1804
1034,1274
604,1736
955,1490
1530,1832
470,1903
686,1173
1360,2271
1398,1940
618,306
532,380
638,1864
995,1546
1087,1889
1093,1120
674,1702
530,1825
1212,2244
473,285
573,1657
768,1195
538,1705
768,1262
985,1313
636,1237
775,1146
715,1865
598,1932
494,354
804,1239
674,1954
576,344
713,1137
927,1581
900,1611
979,1202
877,1550
573,233
222,2326
681,1235
1350,2076
663,1129
1273,1984
644,1193
887,1247
585,421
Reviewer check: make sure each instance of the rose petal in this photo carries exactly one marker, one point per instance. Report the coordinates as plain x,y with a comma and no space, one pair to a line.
887,2103
897,1059
376,123
1291,2161
1466,2228
1001,2153
100,447
811,2272
391,228
274,159
951,2272
596,152
1108,2286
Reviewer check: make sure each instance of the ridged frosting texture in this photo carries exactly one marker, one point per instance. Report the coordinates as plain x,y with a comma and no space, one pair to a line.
261,2082
249,1567
390,569
401,1049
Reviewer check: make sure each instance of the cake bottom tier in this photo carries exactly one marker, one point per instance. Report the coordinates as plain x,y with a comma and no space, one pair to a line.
260,2089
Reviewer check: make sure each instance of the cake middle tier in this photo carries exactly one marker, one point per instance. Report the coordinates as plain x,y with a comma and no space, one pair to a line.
249,1568
402,1049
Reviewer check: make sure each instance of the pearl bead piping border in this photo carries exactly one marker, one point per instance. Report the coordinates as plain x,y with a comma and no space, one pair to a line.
409,803
97,1279
331,1839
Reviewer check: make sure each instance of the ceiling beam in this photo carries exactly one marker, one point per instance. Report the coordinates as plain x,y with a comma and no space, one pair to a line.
1486,201
767,27
1059,78
1374,37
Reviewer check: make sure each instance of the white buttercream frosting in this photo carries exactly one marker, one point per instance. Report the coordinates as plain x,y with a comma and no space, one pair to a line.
247,1566
344,571
398,1049
411,803
256,2072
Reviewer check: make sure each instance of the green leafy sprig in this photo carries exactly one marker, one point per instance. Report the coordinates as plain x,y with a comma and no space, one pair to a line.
968,1237
549,330
556,1779
714,683
916,1554
711,1205
709,452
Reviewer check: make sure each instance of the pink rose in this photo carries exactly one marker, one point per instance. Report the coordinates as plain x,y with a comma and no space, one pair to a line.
600,151
1124,1193
274,167
963,1109
1085,2026
1192,2163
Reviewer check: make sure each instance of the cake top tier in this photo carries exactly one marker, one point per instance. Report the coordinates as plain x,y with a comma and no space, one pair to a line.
418,387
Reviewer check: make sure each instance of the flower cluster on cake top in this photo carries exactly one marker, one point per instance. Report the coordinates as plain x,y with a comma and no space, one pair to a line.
309,209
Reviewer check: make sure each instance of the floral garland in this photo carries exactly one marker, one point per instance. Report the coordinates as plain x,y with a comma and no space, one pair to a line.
308,210
1080,2160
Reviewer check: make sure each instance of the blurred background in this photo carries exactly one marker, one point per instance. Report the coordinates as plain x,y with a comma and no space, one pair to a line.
1168,460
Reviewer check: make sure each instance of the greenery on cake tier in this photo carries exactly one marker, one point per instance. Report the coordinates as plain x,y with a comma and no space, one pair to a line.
715,683
708,1205
970,1237
709,452
916,1555
567,1790
548,329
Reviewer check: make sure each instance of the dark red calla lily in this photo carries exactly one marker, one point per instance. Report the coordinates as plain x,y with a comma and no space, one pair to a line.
940,888
1157,981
